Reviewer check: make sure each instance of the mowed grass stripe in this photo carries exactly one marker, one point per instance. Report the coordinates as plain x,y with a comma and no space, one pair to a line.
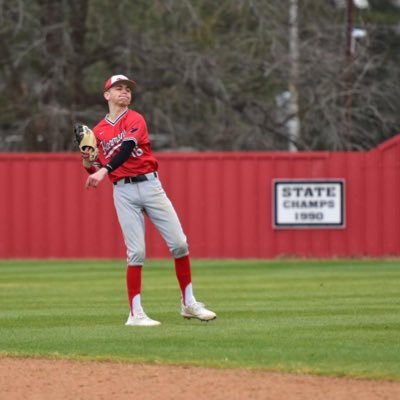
333,317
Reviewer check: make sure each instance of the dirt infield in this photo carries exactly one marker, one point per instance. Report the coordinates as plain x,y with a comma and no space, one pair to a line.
39,379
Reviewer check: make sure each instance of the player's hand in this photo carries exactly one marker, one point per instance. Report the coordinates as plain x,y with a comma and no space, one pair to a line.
85,154
94,180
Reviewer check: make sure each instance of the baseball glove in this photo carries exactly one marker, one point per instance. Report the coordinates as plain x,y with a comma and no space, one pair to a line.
86,140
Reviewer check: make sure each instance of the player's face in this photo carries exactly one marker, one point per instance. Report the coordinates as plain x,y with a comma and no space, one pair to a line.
119,94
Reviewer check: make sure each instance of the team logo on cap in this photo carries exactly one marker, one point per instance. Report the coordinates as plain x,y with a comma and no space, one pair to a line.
115,78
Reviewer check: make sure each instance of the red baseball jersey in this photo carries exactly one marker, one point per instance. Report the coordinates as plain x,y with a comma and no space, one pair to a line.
130,125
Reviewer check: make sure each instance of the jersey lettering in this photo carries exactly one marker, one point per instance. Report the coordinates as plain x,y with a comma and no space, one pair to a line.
109,146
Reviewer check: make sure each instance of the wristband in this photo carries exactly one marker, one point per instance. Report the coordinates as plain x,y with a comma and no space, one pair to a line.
109,168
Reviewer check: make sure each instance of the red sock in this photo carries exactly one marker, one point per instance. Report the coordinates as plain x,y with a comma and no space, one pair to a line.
184,275
134,285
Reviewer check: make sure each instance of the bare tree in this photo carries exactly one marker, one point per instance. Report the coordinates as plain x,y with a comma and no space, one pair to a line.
209,73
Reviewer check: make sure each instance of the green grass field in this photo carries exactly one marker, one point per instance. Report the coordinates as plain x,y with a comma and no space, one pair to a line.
338,317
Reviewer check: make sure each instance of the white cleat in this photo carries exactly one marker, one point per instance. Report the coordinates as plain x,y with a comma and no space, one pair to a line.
141,319
197,310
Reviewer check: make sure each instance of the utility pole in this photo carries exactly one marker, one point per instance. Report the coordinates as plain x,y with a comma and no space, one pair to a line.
293,104
348,75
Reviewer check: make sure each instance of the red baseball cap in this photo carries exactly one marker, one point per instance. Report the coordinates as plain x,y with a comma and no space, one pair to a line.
119,78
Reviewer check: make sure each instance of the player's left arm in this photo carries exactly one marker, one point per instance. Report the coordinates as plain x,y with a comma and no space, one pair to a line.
124,153
122,156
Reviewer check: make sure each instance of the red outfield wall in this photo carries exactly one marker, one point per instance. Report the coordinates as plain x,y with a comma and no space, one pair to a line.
224,201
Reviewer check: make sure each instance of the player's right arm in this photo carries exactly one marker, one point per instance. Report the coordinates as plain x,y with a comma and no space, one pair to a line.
90,167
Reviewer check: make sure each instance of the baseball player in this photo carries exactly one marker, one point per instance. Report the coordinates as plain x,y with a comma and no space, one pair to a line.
125,156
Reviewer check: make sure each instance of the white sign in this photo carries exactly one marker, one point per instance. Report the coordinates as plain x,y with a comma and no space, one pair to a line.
308,203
